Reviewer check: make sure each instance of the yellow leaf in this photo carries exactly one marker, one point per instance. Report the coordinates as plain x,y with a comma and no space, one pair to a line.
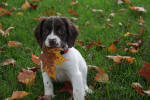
20,13
18,95
127,34
26,5
50,58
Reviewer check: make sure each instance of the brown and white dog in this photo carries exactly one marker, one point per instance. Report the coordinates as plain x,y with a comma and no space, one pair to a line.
60,32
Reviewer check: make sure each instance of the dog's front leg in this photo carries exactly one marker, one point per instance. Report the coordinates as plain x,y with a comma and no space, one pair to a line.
48,85
77,83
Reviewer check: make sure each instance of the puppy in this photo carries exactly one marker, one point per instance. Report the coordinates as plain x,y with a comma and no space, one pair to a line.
60,32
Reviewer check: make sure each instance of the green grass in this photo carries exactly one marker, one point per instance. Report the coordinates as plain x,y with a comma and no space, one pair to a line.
121,75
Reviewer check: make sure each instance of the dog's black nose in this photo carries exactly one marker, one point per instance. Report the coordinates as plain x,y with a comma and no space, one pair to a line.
52,42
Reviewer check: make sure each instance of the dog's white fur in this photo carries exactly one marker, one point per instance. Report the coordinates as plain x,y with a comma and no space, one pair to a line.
52,36
74,70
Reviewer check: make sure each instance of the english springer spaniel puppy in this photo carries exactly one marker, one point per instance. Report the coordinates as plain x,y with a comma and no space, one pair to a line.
60,32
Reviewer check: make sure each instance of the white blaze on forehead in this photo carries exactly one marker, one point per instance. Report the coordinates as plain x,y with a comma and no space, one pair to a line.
50,37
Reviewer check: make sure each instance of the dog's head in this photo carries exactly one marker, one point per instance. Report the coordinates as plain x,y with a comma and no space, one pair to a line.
56,32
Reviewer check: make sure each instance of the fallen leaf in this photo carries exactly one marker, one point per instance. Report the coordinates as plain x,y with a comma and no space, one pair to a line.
138,88
127,34
44,97
74,18
8,62
27,77
50,58
101,76
98,43
112,48
14,44
35,59
141,21
26,5
118,59
74,3
71,11
5,12
147,92
119,1
34,6
127,1
34,69
97,10
20,13
18,95
5,33
145,71
138,9
137,44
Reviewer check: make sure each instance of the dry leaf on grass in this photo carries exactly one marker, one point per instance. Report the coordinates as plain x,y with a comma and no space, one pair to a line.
20,13
5,12
112,47
26,5
18,95
5,32
145,71
74,3
14,44
8,61
97,43
35,59
127,34
141,21
101,76
138,88
127,1
27,77
138,9
119,1
119,59
71,11
97,10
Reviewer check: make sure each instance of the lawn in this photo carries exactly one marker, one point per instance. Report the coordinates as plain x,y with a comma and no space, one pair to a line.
92,27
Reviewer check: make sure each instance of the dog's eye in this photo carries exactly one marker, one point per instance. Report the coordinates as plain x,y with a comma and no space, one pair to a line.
61,31
46,31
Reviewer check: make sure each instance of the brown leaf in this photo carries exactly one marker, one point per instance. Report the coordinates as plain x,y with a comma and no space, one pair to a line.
14,44
138,88
145,71
34,6
138,9
71,11
35,59
26,5
118,59
50,58
112,48
27,77
18,95
119,1
5,33
98,43
5,12
101,76
127,1
8,61
141,21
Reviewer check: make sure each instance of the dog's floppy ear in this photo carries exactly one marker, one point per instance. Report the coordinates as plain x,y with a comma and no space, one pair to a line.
72,32
38,32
